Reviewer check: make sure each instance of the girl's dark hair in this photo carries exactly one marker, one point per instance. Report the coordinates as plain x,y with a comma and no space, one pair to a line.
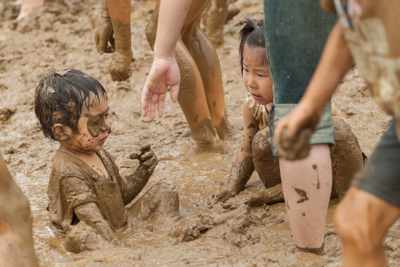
59,98
251,34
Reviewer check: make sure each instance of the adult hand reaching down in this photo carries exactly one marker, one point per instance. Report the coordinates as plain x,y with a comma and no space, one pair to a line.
164,74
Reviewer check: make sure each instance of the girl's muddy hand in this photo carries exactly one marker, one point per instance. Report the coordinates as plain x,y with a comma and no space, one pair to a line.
224,195
164,74
119,65
293,132
104,35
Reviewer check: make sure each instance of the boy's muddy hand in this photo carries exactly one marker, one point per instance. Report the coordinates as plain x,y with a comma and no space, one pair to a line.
293,132
164,74
147,158
104,36
119,65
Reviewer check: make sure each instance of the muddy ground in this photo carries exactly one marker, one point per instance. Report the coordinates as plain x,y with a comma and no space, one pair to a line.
59,37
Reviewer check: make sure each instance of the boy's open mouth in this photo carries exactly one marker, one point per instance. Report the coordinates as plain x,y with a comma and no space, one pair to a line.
103,140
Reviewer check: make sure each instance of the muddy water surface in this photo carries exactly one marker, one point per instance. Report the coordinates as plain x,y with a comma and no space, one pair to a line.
58,37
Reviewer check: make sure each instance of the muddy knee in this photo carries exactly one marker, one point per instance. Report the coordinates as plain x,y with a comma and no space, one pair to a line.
346,156
266,165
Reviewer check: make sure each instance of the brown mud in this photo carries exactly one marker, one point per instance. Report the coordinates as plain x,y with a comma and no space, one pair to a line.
51,40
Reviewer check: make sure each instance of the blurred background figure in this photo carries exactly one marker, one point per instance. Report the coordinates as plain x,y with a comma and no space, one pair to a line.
27,6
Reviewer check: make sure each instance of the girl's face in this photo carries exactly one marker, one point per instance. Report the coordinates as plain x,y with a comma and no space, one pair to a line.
256,76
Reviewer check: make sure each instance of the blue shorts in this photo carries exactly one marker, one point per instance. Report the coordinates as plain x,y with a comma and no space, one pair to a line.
296,32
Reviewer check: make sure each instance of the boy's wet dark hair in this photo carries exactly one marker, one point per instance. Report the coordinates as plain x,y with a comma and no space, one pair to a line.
59,98
251,34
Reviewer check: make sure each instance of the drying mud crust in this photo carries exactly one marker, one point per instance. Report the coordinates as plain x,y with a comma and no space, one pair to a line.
64,39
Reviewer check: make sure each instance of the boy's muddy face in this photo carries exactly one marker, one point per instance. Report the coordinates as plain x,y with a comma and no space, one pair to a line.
93,126
256,75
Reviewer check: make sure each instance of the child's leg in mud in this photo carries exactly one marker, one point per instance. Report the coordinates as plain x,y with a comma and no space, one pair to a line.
16,242
346,156
267,167
307,185
361,221
207,62
191,97
162,200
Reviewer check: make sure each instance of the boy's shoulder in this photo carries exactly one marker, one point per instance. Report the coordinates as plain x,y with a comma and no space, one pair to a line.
65,164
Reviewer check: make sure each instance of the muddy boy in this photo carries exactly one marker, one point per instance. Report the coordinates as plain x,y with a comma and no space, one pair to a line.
87,195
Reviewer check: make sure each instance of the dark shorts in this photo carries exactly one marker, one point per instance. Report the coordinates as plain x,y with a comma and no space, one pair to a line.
296,32
381,174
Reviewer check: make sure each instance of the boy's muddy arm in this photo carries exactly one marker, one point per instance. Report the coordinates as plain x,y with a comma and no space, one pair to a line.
120,11
104,35
91,215
242,166
293,131
164,72
135,181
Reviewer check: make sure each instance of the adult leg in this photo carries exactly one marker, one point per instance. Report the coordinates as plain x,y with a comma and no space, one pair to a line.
191,97
307,186
361,221
214,18
16,242
162,200
346,156
207,61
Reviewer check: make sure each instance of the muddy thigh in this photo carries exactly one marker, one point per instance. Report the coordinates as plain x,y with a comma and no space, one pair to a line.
266,165
346,156
162,200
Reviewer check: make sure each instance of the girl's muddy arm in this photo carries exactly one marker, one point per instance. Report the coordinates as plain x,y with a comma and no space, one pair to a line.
164,72
91,215
335,62
135,181
120,11
104,35
242,166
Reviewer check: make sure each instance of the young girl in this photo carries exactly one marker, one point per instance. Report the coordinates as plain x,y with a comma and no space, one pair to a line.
255,147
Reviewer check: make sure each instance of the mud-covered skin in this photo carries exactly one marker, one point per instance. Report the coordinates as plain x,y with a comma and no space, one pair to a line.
16,242
95,124
104,34
346,158
201,95
266,165
214,18
122,57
